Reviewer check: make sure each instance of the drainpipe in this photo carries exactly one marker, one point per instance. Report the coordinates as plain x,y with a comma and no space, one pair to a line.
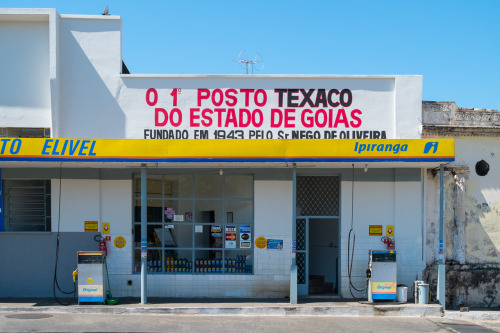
441,285
293,270
144,234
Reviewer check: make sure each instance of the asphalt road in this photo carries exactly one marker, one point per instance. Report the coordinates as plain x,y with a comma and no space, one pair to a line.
69,322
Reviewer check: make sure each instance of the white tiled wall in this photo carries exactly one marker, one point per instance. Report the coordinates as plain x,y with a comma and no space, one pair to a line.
397,202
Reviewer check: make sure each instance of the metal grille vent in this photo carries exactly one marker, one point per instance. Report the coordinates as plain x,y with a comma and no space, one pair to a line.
301,267
318,196
28,316
27,205
301,235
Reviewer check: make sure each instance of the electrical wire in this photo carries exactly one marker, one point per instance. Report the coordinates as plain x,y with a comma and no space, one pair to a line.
56,282
350,256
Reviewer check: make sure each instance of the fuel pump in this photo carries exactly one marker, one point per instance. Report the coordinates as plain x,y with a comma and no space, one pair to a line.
91,281
382,275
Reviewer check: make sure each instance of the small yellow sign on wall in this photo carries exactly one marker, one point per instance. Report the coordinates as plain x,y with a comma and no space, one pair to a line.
105,228
375,230
261,242
389,230
91,226
120,242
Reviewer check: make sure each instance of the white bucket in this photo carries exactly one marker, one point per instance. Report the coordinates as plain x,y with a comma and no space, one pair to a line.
402,294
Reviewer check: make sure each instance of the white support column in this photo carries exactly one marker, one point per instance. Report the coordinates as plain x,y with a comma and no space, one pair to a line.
144,235
441,285
293,270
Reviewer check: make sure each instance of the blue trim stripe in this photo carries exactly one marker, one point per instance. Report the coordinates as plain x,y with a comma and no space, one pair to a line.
90,299
383,296
216,160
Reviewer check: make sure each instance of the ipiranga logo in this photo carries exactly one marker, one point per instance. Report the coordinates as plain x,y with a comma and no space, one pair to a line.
430,145
396,148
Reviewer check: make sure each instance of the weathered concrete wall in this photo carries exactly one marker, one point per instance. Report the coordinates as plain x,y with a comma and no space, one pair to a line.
468,285
472,225
472,205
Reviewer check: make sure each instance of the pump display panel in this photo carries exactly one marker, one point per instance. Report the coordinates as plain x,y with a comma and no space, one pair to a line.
85,258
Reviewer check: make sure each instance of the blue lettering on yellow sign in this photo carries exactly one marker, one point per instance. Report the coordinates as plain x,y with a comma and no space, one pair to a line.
69,148
13,144
380,147
384,287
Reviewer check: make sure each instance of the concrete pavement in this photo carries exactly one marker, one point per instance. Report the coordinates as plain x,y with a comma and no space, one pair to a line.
230,306
196,314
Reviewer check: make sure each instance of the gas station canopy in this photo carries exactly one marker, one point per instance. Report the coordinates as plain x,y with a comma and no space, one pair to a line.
304,152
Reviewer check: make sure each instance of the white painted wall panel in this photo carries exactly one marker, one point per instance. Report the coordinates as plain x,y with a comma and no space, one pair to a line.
89,78
116,201
273,207
25,83
273,219
79,202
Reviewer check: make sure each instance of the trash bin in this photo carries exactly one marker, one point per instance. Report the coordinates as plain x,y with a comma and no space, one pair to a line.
402,293
423,293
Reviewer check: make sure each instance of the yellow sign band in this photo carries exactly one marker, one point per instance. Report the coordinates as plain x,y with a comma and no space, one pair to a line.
246,150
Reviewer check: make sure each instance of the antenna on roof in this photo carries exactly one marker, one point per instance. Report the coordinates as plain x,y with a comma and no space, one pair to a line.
257,63
106,11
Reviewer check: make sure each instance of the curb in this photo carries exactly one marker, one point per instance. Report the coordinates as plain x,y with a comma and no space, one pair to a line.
476,315
342,310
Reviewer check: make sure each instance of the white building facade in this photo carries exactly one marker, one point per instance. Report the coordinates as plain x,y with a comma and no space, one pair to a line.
245,174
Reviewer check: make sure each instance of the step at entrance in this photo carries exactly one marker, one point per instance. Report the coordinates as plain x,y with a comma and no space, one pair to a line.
318,286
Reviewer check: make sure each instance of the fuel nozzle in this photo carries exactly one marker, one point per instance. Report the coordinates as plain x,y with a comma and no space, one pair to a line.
368,274
75,274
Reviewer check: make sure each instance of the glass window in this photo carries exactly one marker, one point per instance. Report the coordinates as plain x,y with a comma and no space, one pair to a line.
239,211
178,210
208,186
178,186
196,223
209,236
208,261
155,211
208,211
154,187
26,205
238,186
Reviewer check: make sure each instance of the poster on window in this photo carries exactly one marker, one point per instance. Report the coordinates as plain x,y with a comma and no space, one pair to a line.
245,237
230,237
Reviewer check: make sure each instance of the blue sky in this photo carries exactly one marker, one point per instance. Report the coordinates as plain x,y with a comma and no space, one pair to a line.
454,44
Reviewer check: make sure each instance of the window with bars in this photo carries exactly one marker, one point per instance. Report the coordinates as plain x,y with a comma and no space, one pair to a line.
196,223
24,132
26,205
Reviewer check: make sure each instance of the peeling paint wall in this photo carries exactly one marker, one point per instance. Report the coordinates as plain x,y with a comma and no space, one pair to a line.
482,200
472,225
